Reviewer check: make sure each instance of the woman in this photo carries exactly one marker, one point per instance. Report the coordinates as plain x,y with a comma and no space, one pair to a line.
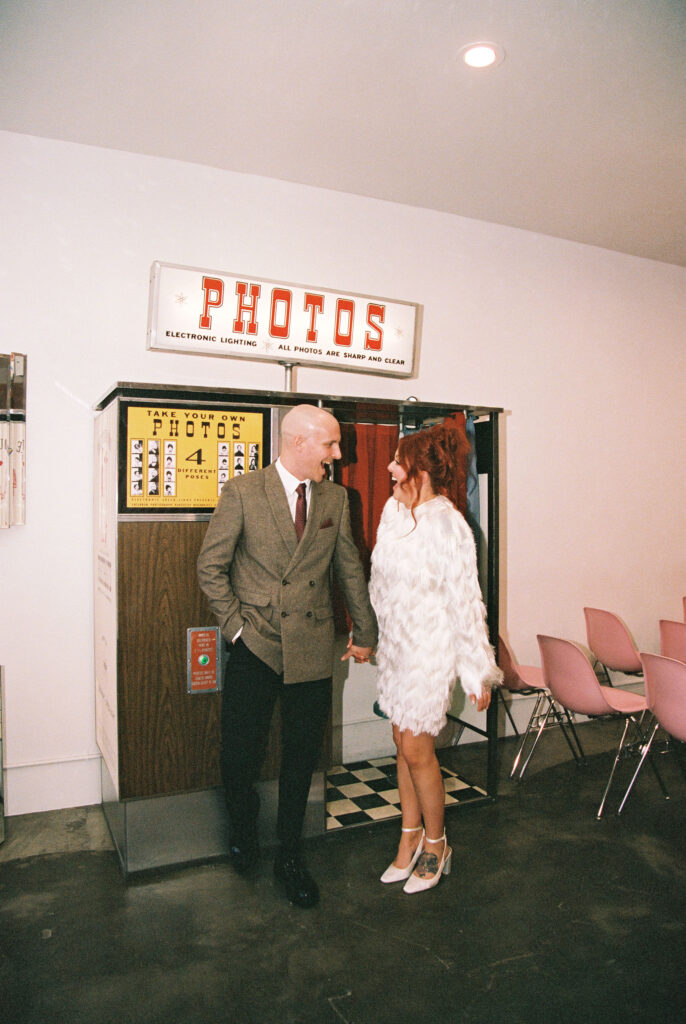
425,592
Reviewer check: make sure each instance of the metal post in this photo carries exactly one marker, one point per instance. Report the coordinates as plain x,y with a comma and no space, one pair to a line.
288,378
493,590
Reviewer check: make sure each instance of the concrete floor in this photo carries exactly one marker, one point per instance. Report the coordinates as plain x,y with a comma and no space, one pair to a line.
548,916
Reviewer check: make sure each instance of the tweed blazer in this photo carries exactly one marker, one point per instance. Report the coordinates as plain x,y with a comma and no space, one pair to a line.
259,579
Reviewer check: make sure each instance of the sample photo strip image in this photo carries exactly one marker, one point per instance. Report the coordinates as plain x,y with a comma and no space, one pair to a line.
238,459
253,457
169,469
153,467
136,481
222,465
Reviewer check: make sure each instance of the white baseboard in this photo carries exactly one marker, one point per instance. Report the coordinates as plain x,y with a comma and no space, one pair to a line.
359,741
52,786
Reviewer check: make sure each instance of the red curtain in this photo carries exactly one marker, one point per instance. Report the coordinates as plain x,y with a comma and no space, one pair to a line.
366,450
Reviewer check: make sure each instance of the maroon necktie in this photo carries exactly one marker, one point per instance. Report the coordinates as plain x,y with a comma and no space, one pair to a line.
300,511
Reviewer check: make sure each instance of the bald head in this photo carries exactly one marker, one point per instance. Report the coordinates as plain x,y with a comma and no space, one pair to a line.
304,420
310,440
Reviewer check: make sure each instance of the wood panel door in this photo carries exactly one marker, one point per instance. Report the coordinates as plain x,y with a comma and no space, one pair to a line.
169,740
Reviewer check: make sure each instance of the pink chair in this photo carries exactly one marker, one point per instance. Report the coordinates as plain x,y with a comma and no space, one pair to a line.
665,683
571,679
673,639
528,680
611,643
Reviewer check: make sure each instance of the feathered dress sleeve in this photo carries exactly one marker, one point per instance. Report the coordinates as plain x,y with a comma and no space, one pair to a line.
474,656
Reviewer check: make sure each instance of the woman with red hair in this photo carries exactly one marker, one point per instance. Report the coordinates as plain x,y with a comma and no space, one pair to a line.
432,629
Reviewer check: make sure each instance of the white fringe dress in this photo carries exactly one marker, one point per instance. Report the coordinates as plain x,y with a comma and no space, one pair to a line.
432,622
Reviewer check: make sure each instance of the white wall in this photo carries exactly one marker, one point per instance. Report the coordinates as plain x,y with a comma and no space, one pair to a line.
583,347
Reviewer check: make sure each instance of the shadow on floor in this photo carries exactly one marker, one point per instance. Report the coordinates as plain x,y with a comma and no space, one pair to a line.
548,916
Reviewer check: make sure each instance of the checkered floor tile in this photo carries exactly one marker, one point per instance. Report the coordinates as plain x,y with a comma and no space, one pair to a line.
357,794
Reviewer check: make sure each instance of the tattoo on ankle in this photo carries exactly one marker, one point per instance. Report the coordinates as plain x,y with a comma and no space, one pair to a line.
427,865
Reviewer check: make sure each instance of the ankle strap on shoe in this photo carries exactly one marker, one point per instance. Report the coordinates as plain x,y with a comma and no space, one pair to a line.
439,840
417,829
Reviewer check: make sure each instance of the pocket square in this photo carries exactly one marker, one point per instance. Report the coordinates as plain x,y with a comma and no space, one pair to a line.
326,523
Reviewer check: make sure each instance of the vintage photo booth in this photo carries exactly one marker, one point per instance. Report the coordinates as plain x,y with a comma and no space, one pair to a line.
158,658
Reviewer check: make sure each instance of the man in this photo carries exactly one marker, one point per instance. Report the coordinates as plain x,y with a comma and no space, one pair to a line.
271,594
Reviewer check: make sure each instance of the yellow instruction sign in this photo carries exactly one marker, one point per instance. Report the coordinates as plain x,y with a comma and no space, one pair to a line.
181,457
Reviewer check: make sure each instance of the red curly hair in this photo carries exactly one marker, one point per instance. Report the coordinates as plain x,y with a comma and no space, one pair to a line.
441,452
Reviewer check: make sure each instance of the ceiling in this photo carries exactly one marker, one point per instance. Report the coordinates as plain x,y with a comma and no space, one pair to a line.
580,133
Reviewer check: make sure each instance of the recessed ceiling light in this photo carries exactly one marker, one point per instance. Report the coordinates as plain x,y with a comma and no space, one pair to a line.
482,55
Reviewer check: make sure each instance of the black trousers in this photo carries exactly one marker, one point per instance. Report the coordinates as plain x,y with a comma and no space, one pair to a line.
251,689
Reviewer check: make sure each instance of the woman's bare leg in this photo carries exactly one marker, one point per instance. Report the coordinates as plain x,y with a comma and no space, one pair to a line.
409,805
419,755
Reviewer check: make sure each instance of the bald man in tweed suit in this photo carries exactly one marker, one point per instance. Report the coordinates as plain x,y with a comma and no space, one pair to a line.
266,568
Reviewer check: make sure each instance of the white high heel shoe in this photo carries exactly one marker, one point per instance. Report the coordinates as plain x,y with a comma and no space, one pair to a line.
394,874
416,884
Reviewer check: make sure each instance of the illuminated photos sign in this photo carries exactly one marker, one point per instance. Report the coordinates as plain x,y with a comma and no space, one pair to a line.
220,314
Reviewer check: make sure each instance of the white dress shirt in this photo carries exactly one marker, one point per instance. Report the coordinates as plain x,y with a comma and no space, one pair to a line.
290,485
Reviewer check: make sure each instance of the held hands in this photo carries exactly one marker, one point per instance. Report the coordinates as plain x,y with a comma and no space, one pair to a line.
360,654
483,701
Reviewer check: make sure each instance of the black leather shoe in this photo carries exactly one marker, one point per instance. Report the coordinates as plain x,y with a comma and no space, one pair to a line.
298,884
244,855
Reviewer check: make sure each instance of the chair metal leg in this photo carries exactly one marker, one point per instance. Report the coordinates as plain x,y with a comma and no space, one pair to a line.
560,714
520,748
576,736
605,670
543,721
646,751
614,766
653,765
